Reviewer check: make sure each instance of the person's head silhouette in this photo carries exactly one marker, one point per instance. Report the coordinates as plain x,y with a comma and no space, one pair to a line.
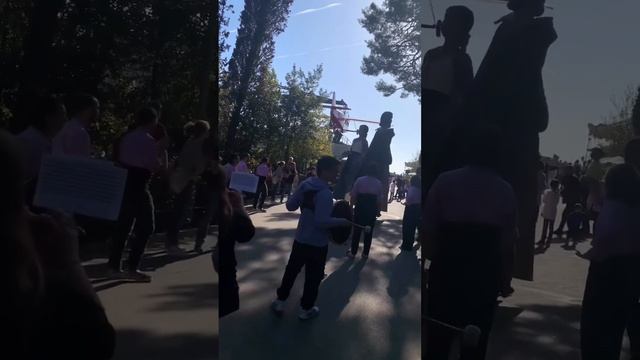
458,22
385,119
531,8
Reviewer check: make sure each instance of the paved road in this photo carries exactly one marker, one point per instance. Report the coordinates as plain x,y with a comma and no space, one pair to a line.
542,320
368,310
173,317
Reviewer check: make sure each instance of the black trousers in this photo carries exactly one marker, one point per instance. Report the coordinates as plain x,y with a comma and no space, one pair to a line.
261,193
608,306
313,259
364,214
410,222
137,214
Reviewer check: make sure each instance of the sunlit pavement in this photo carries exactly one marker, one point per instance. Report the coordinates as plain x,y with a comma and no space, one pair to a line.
542,319
368,310
173,317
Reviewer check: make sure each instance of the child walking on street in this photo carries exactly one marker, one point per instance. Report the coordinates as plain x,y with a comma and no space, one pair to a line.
550,200
315,201
367,196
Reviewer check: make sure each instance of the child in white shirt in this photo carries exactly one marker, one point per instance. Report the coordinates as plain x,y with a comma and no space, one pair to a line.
550,200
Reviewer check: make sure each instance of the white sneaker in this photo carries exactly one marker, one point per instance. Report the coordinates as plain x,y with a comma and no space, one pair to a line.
309,314
350,254
138,276
277,306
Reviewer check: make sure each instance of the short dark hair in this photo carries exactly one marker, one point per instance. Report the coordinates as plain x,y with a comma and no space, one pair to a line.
46,106
386,118
77,103
462,15
146,116
326,163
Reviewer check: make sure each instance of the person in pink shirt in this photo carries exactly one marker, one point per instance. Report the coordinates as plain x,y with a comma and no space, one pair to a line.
74,138
138,153
242,166
262,172
368,196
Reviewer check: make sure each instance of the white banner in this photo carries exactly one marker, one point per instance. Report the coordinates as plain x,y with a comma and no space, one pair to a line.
82,186
244,182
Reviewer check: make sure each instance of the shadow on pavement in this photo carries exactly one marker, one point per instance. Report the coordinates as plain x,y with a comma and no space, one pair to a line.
138,345
369,309
186,297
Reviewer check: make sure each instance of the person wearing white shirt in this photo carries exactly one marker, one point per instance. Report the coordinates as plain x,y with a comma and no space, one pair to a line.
74,138
359,147
550,200
412,214
190,165
263,172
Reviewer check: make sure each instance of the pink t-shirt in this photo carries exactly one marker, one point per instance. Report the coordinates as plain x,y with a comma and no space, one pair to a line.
73,139
368,185
263,170
242,167
139,149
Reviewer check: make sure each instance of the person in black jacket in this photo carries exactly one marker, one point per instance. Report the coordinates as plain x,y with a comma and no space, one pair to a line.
49,308
234,226
379,153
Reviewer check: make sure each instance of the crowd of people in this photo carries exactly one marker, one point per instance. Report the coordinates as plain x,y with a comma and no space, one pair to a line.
319,193
488,188
52,301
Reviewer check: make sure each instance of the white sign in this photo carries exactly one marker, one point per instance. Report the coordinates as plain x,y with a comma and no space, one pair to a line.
81,186
244,182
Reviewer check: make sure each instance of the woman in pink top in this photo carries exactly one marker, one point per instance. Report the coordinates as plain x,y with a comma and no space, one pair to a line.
262,172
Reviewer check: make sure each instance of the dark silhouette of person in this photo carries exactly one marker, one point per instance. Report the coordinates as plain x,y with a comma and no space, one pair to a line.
508,92
359,147
470,226
380,153
49,307
447,72
612,290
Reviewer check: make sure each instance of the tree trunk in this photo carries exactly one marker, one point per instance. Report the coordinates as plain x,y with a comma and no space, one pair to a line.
34,69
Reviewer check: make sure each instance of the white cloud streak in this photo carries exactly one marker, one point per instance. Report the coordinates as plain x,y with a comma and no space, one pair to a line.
346,46
312,10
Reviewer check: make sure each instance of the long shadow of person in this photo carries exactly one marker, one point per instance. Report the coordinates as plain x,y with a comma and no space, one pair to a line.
405,269
337,289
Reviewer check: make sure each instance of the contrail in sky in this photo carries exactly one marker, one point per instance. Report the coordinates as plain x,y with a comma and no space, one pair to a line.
309,11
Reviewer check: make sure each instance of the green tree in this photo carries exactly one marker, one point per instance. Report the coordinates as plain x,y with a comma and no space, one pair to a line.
260,22
306,134
617,129
395,47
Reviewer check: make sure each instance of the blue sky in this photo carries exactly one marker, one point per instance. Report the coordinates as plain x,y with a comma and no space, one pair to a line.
596,58
327,32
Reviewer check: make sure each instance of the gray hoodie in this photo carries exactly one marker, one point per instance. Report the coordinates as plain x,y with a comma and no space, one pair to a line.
315,220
